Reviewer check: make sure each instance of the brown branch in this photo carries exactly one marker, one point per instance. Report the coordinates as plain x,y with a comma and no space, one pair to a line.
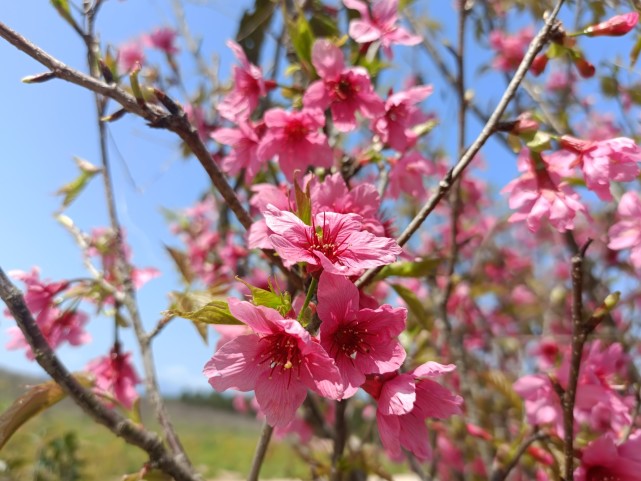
118,425
500,473
455,172
340,438
261,451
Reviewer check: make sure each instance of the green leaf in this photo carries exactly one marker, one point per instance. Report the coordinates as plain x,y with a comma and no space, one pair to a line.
514,142
73,189
303,203
62,7
182,263
414,305
281,302
540,142
634,53
253,26
419,268
302,40
609,86
30,404
215,312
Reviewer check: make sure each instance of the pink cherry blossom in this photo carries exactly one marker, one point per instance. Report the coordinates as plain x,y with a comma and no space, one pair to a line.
615,26
248,87
510,49
626,233
408,175
401,114
361,341
379,22
162,38
603,460
264,194
244,141
57,325
605,161
115,377
279,361
130,55
334,242
405,401
539,193
295,138
343,90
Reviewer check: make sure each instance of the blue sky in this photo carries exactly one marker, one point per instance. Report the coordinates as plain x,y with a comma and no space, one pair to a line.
44,126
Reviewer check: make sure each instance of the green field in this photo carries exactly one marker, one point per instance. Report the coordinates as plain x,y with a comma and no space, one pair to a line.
219,443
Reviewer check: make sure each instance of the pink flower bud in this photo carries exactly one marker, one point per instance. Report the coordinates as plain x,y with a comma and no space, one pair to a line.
585,68
539,64
614,27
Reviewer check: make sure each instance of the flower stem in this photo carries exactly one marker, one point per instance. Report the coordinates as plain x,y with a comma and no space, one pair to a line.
310,292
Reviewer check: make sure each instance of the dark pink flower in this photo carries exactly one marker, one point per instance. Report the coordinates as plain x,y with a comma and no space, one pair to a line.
604,161
626,233
603,460
248,87
539,193
379,22
295,138
115,377
130,55
279,362
162,38
405,401
615,26
244,141
361,341
57,325
510,49
334,242
343,90
401,114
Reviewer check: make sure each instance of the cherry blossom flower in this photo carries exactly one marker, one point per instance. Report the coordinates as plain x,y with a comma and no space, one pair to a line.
379,22
334,242
604,161
361,341
163,39
248,87
244,141
130,55
604,460
401,114
57,325
279,362
626,234
407,175
115,377
343,90
264,194
510,49
405,401
295,138
539,193
614,27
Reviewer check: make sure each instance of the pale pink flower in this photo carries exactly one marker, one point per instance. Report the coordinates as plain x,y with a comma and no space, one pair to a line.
264,194
57,325
603,460
361,341
279,362
379,22
604,161
539,193
334,242
115,377
296,139
408,174
401,114
341,89
244,142
614,27
162,38
249,85
510,49
626,234
405,401
197,117
130,55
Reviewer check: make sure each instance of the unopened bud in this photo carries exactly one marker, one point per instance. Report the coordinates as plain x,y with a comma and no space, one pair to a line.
585,68
614,27
39,78
538,64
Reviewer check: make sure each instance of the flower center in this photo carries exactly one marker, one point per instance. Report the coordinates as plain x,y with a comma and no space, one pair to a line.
343,89
350,340
601,473
295,130
281,352
325,239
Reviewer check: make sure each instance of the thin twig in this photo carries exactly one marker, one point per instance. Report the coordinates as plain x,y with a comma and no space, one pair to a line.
500,473
47,359
340,438
261,451
454,173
